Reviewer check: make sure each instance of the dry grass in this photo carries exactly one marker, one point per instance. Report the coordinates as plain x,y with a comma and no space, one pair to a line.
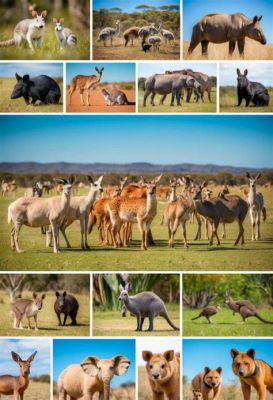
228,101
253,51
144,389
35,391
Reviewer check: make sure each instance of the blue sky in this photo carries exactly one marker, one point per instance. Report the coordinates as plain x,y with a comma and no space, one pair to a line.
113,72
32,69
193,10
213,353
74,351
224,140
25,347
147,69
129,6
262,72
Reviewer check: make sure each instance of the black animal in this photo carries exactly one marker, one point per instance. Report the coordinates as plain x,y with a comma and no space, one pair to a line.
251,91
145,46
41,88
68,305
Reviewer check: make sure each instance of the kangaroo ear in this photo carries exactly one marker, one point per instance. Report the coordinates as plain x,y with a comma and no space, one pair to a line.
43,296
18,77
89,365
25,78
206,370
234,353
57,294
121,364
245,73
44,13
238,72
61,20
255,19
96,68
34,295
16,357
259,19
219,370
64,293
168,355
251,353
147,355
34,13
31,357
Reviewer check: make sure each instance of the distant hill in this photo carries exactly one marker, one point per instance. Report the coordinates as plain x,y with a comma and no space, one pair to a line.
136,168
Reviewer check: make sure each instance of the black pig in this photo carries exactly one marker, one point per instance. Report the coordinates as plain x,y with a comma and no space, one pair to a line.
41,88
251,91
68,305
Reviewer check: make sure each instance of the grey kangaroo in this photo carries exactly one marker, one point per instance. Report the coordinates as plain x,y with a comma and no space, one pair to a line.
28,309
244,307
145,304
116,97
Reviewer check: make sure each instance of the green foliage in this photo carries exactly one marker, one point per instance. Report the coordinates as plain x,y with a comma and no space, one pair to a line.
76,283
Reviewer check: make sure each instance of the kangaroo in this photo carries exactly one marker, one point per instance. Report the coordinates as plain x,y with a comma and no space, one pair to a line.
28,309
244,307
84,83
145,304
29,30
208,312
65,36
116,97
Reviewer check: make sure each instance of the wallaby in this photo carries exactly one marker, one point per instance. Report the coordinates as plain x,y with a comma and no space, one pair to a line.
244,307
116,97
145,304
16,385
29,30
64,35
28,309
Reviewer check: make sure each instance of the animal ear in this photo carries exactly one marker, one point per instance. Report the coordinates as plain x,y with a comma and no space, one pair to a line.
16,357
25,78
234,353
57,294
31,357
89,178
34,295
245,73
248,175
44,13
257,177
96,68
71,179
102,69
64,293
18,77
43,296
259,19
89,365
121,288
206,370
204,184
157,179
238,72
121,364
61,20
128,286
251,353
34,13
147,355
219,370
168,355
100,179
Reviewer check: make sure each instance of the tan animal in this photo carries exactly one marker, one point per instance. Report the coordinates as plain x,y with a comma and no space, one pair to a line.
4,188
209,381
197,395
24,308
163,371
252,373
16,385
84,83
130,34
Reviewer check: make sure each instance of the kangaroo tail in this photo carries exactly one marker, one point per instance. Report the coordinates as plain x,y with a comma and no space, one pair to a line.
91,222
7,43
130,103
262,319
167,318
198,316
264,213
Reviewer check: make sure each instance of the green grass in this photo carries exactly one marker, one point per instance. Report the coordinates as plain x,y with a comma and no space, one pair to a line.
228,101
225,324
47,318
18,105
256,256
185,108
111,323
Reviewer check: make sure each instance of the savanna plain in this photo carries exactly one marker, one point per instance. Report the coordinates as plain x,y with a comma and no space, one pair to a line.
36,391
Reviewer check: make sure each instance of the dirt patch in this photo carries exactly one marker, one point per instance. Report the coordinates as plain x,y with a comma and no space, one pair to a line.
98,103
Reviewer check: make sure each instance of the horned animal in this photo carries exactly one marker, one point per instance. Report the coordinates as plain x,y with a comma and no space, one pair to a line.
25,308
64,35
251,92
68,305
84,83
109,34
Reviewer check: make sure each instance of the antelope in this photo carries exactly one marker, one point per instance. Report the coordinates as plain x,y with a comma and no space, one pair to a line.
167,35
28,309
134,210
256,206
111,191
37,212
84,83
16,385
220,209
130,34
109,33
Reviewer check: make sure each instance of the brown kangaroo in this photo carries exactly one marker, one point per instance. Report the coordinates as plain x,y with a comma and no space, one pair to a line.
84,83
28,309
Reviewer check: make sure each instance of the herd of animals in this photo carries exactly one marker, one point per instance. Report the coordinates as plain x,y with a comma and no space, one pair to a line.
124,205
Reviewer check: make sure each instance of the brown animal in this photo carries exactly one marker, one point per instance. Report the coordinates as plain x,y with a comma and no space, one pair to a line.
164,374
84,83
130,34
209,381
252,372
16,385
25,308
221,28
197,395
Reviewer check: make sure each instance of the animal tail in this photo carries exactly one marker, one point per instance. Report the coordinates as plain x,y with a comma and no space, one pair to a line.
72,40
91,222
264,213
9,216
7,43
198,316
262,319
167,318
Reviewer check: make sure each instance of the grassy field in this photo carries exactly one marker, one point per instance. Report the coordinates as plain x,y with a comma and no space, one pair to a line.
256,256
18,105
47,319
35,391
120,52
228,101
185,108
111,323
253,51
225,324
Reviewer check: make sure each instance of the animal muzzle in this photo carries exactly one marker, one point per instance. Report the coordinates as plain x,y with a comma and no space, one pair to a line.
214,383
241,372
155,376
263,40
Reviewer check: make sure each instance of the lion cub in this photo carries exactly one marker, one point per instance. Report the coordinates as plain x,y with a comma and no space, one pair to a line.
251,372
164,374
210,380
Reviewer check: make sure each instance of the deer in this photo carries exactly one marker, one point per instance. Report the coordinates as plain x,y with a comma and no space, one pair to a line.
16,385
109,34
134,210
37,212
110,191
28,309
256,206
173,183
218,209
85,83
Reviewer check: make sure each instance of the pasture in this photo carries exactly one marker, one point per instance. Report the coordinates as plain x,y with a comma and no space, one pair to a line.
18,105
47,318
35,391
225,324
111,323
184,108
228,101
253,51
256,255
